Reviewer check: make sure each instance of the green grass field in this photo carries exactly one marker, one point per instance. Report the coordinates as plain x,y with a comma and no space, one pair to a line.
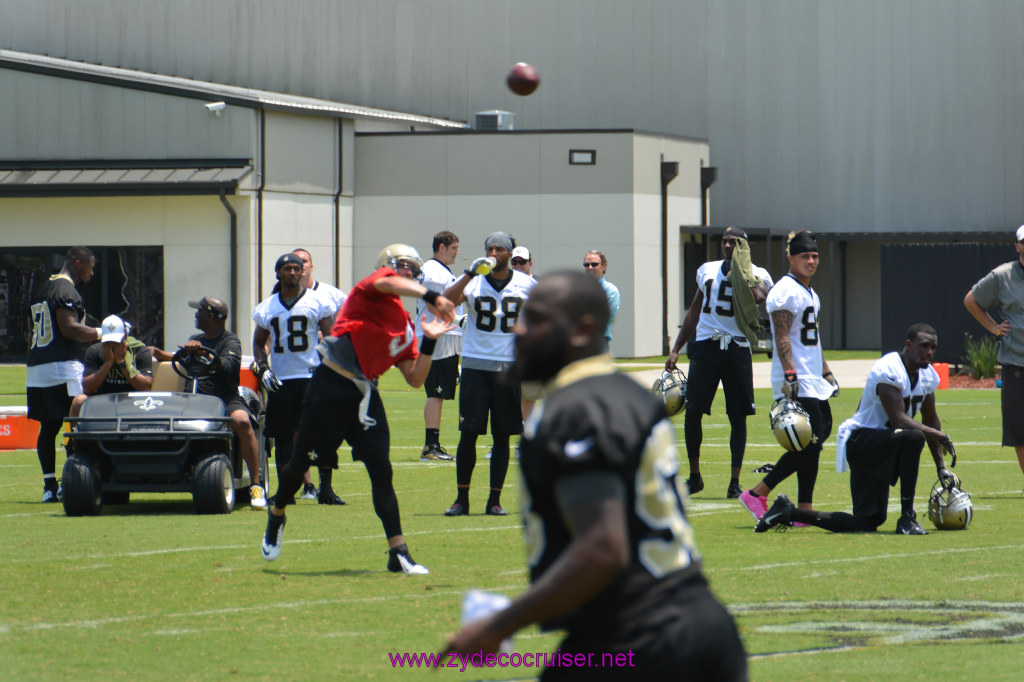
151,591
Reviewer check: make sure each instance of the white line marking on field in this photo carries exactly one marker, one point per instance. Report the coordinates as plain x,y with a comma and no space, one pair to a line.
875,557
803,652
300,606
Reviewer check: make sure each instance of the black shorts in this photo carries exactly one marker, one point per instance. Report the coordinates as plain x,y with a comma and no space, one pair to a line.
48,404
330,415
874,458
284,407
695,638
486,393
442,378
709,365
1012,399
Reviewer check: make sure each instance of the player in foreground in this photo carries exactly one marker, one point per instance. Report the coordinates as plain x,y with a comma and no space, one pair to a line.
882,444
611,555
372,333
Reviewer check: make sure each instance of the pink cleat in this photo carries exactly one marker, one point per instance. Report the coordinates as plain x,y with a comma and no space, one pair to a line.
757,506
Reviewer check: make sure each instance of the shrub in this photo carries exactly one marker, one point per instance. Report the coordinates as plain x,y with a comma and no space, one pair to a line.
981,355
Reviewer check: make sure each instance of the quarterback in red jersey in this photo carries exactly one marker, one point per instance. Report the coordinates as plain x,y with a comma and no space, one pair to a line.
372,333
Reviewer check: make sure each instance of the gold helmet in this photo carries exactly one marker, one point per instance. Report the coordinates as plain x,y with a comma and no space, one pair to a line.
395,254
949,508
670,387
791,425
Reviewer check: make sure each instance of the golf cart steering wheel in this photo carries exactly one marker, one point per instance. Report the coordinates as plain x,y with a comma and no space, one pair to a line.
195,365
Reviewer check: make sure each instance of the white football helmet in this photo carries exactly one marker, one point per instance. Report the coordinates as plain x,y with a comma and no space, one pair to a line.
791,425
670,387
393,254
949,508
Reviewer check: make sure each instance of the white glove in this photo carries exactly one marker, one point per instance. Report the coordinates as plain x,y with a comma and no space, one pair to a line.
481,266
266,376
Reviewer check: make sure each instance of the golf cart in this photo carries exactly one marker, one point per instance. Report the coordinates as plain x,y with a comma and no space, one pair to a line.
160,441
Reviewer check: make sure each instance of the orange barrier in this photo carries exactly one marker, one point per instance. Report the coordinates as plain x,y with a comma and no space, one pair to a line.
943,370
247,378
17,431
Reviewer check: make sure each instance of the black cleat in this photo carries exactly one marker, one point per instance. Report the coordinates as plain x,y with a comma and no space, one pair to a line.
457,509
400,561
435,453
496,510
734,490
329,497
695,484
779,514
908,525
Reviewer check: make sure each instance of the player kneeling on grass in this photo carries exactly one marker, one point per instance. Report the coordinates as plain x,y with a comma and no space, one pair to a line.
611,555
372,333
882,444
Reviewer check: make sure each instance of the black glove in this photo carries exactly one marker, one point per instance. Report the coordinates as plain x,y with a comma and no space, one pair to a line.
790,386
831,378
949,451
266,376
948,478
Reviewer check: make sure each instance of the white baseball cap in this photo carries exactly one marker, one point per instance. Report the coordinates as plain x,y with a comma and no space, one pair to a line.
1020,233
524,253
114,329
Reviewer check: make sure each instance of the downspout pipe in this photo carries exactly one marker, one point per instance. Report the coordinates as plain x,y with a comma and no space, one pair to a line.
233,259
669,171
337,203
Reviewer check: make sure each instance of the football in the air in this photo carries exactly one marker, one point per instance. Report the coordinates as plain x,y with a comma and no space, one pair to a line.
523,79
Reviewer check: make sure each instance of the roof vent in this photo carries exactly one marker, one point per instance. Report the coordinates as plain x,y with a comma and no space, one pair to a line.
495,119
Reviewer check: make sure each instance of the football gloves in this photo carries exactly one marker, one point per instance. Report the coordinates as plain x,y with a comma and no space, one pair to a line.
831,378
949,451
948,478
481,266
790,386
266,376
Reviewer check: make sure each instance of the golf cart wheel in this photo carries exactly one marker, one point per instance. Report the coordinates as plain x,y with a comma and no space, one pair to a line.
81,483
214,486
115,499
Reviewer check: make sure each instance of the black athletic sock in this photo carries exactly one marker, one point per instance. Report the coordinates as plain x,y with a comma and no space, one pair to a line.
432,437
326,476
737,438
465,459
46,449
290,480
693,433
499,463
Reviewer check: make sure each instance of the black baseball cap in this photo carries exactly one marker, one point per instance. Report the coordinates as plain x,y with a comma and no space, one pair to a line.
214,306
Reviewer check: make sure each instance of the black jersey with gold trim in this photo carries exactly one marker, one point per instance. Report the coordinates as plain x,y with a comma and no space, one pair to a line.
607,422
48,343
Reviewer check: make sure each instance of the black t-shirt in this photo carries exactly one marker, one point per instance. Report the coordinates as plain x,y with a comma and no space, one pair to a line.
224,382
48,343
116,381
605,421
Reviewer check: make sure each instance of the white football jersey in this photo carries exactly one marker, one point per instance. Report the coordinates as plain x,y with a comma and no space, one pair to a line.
890,370
789,294
717,313
492,316
334,296
293,332
437,277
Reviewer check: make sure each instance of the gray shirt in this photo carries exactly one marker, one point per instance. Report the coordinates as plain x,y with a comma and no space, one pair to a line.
1003,288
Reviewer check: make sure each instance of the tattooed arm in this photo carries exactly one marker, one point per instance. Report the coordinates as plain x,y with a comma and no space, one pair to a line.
782,321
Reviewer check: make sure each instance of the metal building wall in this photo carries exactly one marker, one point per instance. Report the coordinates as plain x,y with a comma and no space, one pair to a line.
846,116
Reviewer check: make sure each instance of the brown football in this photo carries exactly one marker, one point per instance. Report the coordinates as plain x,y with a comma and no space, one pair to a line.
522,79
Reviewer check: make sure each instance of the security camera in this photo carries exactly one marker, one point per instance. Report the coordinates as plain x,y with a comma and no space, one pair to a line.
216,108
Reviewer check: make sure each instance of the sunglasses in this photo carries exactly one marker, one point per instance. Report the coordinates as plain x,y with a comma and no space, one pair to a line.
519,261
591,265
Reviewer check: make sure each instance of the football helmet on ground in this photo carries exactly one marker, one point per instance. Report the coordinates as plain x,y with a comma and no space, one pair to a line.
394,255
949,507
791,425
670,387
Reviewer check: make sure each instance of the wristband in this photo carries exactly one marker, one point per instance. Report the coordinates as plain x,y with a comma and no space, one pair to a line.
431,296
99,333
427,347
790,375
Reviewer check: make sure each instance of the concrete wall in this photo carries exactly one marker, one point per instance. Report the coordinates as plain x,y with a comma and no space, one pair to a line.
845,116
409,187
